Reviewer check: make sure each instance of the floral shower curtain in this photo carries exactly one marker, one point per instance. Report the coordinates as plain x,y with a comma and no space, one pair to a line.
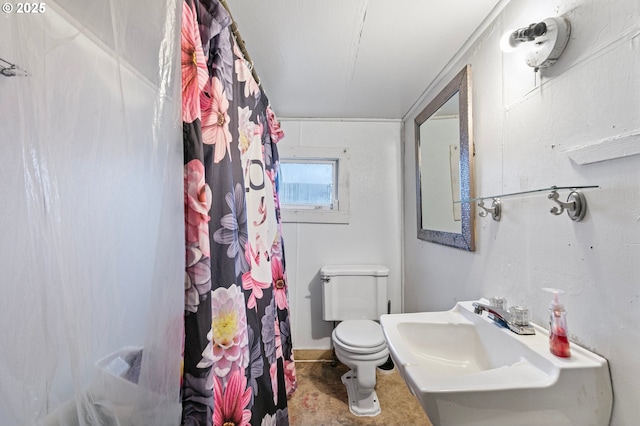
238,361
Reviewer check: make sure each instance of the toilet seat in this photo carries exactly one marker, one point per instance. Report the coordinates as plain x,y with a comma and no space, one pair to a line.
359,337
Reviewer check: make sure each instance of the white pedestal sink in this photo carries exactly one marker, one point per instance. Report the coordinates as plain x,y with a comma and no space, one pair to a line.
467,370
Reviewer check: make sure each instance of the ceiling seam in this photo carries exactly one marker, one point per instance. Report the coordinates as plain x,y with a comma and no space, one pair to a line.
356,48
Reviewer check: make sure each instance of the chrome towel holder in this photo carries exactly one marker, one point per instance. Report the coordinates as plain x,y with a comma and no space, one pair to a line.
575,206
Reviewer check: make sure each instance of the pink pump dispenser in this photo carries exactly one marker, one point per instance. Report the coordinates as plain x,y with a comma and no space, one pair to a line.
558,333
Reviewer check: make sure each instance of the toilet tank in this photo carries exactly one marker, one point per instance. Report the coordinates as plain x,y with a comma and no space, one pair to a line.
354,292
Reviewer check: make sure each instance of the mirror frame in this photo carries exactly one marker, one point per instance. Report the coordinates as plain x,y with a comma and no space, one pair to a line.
465,240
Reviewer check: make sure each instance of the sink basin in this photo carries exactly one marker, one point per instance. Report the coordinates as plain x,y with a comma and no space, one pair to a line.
467,370
448,357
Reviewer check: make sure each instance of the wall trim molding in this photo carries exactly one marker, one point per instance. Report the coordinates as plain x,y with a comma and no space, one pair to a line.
313,355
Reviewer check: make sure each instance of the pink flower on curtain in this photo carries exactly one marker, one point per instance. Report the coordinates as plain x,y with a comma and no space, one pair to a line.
250,284
197,203
275,131
279,283
290,380
228,339
276,247
278,339
273,372
194,66
215,119
231,401
273,368
251,87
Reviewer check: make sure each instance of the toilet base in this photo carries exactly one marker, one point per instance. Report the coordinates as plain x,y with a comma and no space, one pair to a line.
368,406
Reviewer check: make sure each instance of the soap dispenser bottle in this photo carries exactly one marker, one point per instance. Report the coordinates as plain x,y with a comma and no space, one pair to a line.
558,333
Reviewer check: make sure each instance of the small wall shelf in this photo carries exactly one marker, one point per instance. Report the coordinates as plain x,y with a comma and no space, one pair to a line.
576,204
618,146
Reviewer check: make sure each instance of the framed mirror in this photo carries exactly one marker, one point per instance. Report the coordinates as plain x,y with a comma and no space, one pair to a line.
444,166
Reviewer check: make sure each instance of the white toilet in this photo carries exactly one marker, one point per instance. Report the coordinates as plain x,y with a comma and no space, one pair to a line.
356,295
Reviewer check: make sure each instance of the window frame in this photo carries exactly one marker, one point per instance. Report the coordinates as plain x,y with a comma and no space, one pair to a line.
339,213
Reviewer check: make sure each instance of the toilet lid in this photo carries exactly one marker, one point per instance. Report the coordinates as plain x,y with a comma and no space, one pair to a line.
360,333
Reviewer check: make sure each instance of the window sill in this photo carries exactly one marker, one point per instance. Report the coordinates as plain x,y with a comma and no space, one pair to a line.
314,216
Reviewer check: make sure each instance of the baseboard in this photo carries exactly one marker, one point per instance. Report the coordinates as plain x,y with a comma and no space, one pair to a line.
313,354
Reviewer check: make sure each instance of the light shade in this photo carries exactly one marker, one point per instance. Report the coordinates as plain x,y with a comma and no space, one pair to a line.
549,37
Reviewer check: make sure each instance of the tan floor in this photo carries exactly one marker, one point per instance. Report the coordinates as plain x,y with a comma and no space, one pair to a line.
321,399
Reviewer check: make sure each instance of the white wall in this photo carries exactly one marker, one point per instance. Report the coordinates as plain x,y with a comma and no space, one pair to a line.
373,235
523,125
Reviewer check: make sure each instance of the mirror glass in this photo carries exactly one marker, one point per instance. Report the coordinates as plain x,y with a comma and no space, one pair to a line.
444,157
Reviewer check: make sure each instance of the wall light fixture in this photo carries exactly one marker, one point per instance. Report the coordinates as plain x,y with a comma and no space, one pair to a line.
549,38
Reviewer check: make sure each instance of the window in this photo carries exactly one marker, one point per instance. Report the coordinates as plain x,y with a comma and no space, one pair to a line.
313,185
308,183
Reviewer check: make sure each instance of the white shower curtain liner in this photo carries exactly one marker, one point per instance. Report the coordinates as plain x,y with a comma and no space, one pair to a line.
91,189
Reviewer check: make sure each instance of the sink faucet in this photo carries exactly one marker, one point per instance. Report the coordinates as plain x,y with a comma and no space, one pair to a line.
504,318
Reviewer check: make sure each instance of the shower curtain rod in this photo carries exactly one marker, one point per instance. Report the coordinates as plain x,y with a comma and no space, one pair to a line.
241,45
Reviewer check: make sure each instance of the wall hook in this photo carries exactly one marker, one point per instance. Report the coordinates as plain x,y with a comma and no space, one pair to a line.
495,210
8,69
576,205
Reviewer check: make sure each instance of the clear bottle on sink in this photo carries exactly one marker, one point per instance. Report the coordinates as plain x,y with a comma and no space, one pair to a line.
558,332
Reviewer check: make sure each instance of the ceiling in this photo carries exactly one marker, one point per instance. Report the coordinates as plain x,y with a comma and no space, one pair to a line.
355,58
